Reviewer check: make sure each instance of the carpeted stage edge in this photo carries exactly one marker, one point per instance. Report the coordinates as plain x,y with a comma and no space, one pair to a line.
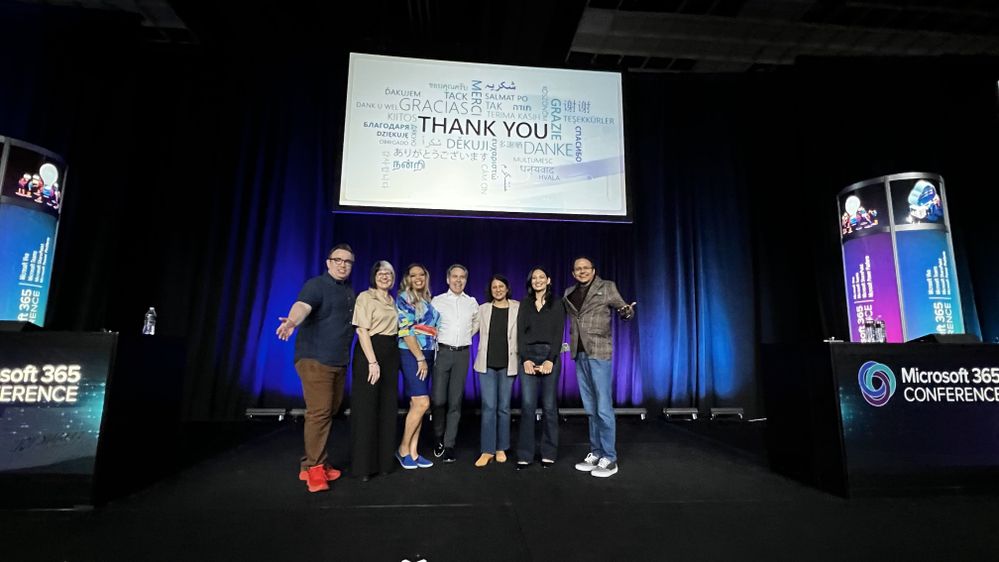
686,491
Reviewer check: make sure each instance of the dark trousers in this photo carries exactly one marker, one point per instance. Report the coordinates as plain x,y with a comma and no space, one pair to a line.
374,409
450,370
529,387
322,387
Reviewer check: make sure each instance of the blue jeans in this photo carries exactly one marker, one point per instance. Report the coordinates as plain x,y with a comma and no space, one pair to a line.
496,386
597,391
549,415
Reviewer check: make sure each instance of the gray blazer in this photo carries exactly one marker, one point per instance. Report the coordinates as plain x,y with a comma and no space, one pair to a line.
592,322
485,314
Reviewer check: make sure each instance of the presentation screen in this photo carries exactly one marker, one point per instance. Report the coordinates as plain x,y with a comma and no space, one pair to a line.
451,138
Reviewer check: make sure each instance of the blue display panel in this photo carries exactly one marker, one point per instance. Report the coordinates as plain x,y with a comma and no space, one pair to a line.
26,249
32,184
930,295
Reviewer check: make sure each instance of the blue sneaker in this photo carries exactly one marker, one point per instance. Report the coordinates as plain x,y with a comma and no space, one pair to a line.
407,462
421,461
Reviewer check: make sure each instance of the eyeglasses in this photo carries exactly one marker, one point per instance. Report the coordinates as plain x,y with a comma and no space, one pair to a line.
341,261
384,274
581,269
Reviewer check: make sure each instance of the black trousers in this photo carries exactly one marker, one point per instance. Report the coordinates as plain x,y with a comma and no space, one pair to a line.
374,409
447,391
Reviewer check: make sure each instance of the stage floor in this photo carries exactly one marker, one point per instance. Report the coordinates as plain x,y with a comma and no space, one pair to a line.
682,493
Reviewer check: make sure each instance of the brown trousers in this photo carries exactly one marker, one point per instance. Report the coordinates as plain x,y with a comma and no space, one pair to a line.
322,387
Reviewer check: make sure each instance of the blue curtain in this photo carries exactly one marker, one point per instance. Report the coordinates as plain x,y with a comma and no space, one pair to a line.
694,243
201,181
686,258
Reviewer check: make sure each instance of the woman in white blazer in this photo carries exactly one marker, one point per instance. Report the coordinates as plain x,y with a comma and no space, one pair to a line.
496,364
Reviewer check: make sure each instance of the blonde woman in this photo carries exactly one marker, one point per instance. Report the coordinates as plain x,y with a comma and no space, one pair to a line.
418,321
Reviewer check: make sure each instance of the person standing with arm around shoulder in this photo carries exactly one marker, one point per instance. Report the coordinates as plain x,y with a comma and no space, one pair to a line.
323,310
589,304
418,321
459,322
375,376
540,325
496,364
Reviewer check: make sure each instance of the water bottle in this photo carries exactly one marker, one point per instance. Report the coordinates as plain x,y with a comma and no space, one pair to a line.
149,327
880,334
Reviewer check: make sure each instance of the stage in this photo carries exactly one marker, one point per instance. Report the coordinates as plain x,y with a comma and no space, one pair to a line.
685,491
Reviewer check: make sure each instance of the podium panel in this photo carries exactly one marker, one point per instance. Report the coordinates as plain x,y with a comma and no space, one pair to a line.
75,409
861,419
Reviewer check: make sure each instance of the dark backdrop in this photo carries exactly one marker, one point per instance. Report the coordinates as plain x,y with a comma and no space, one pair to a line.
200,183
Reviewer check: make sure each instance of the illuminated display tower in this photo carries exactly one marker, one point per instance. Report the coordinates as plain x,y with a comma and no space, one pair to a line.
32,182
898,258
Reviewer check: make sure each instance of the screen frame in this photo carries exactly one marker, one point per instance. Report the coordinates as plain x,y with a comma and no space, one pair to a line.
5,145
626,218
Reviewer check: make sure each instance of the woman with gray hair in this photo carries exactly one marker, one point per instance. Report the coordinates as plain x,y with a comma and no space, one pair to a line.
375,376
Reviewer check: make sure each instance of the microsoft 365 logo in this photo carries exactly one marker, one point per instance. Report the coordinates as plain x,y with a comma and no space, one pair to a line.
874,371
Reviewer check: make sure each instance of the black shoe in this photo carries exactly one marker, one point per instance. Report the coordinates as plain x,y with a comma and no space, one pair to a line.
449,454
545,463
439,450
523,465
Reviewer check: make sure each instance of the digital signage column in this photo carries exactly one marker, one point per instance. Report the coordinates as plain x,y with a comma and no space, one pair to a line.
31,193
925,258
897,257
869,261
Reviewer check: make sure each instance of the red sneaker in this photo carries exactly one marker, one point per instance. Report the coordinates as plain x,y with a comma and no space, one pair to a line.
331,474
316,478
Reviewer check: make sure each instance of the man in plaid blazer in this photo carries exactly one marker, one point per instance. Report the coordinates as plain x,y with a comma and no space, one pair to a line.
588,304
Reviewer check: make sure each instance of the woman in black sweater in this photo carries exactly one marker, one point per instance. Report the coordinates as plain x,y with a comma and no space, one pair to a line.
540,326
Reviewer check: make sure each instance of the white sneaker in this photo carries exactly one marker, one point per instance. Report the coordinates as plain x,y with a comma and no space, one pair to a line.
605,468
589,463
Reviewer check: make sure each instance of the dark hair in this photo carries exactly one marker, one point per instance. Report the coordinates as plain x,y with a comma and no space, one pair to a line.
583,257
489,286
456,265
548,290
340,247
374,272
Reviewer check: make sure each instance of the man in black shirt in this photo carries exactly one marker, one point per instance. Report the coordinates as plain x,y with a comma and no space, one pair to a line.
324,309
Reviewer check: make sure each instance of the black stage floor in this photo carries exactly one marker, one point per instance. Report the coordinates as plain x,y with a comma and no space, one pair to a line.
683,493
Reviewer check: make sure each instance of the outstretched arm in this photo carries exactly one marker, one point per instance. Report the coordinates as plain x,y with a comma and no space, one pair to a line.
624,310
627,312
299,311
